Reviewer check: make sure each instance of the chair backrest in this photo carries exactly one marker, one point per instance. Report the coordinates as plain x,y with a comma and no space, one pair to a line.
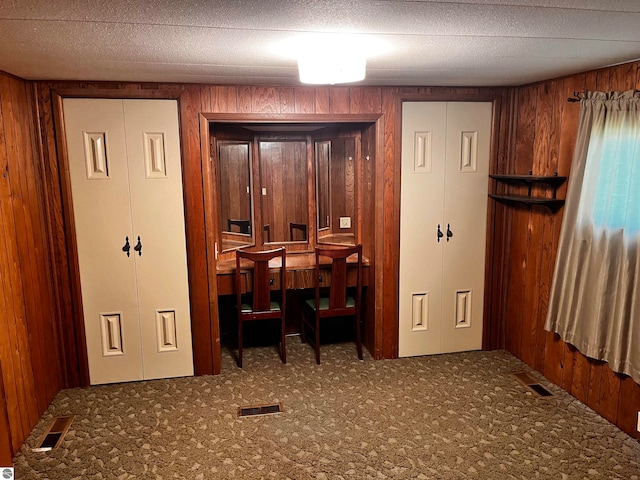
301,227
261,286
243,225
338,285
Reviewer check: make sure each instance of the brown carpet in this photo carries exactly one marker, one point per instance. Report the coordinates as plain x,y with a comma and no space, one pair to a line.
455,416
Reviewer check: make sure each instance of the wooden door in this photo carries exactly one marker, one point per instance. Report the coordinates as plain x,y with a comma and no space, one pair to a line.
155,177
126,181
445,161
422,204
99,175
465,214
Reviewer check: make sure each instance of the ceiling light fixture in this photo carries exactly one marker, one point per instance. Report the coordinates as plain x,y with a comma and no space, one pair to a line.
331,58
331,67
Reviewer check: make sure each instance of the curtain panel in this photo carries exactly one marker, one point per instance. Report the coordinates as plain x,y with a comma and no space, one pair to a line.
595,295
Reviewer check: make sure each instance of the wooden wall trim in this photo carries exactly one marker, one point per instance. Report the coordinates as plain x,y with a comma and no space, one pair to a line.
76,343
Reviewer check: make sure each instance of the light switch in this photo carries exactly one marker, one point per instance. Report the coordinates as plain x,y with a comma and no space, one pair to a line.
345,222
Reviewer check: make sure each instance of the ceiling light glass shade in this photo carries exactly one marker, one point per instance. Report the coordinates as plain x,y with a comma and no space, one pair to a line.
332,68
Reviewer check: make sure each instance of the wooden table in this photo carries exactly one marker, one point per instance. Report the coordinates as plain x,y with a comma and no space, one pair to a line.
300,272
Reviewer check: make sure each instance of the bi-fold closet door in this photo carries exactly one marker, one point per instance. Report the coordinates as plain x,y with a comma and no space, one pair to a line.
445,166
126,185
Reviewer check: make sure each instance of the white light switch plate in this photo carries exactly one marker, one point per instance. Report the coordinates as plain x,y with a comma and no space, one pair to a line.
345,222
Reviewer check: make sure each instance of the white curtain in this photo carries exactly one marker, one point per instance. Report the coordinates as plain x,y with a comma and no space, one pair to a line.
595,296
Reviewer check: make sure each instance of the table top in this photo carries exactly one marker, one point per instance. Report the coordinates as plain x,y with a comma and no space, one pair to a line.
294,260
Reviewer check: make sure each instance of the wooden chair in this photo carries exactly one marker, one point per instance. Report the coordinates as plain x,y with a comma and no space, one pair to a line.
339,302
301,227
243,225
258,305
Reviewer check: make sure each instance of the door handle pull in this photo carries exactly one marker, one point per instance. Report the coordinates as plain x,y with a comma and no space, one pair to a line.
138,247
449,232
440,234
126,247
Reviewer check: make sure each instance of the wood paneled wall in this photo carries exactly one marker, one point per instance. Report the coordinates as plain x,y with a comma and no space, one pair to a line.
543,142
534,130
31,358
381,183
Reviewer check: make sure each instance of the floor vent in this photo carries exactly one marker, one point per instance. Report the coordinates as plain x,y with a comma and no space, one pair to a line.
260,410
530,382
54,435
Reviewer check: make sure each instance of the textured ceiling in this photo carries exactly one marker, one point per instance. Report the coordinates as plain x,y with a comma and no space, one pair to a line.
464,42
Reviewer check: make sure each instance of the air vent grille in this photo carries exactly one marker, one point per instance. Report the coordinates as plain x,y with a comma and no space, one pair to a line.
528,381
260,410
53,436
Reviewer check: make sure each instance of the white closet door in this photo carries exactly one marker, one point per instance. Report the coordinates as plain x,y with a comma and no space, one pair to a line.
445,162
465,210
153,146
422,203
100,190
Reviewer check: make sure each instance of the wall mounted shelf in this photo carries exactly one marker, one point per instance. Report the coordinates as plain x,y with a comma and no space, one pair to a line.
554,181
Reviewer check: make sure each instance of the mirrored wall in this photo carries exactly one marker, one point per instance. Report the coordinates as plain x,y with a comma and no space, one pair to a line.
292,185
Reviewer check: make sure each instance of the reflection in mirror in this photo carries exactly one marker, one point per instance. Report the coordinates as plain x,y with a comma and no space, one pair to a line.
285,203
234,167
323,153
341,208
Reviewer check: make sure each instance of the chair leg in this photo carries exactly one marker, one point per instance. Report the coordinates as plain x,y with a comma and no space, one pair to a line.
317,345
239,343
358,337
303,330
284,346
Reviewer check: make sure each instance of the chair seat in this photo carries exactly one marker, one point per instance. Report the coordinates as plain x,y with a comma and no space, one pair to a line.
324,303
275,307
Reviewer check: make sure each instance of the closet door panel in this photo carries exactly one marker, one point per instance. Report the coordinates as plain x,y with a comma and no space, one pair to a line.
422,198
465,214
153,147
100,190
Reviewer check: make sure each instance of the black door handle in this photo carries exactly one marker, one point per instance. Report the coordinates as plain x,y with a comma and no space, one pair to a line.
449,232
126,246
138,247
440,234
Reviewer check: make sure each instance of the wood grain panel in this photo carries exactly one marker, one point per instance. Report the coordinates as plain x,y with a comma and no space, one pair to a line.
204,349
223,100
29,349
205,98
388,220
365,100
244,99
305,100
338,100
265,100
322,100
535,230
550,227
610,395
6,448
553,123
287,100
34,256
628,406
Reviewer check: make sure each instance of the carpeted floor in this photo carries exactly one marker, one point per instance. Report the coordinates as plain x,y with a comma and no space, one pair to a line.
458,416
